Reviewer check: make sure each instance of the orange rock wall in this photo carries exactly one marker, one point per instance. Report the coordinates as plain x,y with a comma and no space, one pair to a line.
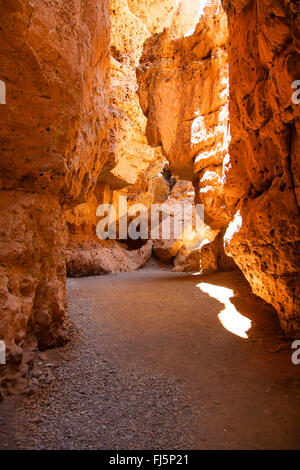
263,173
54,59
183,90
132,166
250,188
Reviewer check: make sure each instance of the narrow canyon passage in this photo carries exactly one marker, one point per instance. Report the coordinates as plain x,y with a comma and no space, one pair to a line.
151,366
150,224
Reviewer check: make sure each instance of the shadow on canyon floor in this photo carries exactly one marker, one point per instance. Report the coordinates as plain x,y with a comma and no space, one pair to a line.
154,364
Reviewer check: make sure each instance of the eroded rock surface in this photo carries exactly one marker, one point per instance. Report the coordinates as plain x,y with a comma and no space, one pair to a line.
197,247
105,258
130,154
182,234
262,174
183,93
133,168
183,90
252,189
55,62
85,250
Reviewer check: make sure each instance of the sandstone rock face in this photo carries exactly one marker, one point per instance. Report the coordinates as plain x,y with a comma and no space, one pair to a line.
209,258
130,153
166,249
32,279
109,257
133,21
183,90
84,248
253,189
198,247
54,60
150,188
86,254
82,219
133,168
155,15
183,247
262,174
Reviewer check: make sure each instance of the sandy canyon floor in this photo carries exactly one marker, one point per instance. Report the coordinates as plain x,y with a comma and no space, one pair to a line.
161,360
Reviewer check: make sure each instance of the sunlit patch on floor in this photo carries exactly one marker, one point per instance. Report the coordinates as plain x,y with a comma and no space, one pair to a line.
230,318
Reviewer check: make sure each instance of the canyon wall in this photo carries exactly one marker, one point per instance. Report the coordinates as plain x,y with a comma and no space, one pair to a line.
249,186
262,176
132,168
54,59
130,154
183,90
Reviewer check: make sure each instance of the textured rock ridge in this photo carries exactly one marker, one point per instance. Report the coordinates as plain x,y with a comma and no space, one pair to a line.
133,22
105,258
54,60
262,174
183,90
130,154
133,168
86,254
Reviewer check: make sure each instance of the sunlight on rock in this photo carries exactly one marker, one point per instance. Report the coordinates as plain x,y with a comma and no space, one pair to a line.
216,133
198,10
187,15
233,227
230,318
198,131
